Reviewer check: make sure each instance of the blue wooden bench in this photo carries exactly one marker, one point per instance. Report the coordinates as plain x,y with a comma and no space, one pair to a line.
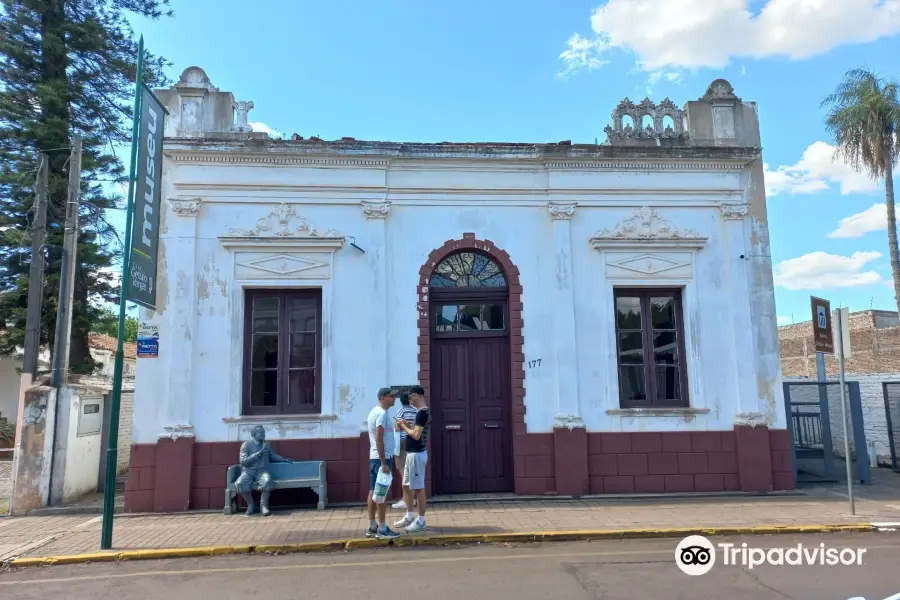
298,475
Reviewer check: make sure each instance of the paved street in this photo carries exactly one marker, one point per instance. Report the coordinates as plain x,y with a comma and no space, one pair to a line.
53,536
586,570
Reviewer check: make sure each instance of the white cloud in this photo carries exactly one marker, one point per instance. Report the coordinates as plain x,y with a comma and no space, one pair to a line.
782,320
873,218
820,270
679,34
817,170
260,127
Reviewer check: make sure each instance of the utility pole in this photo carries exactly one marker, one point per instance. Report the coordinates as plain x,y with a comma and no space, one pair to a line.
36,272
67,271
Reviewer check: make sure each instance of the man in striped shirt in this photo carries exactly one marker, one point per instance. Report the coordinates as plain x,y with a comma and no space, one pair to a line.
416,461
408,414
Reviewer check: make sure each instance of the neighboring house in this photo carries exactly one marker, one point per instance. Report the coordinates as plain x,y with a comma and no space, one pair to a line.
584,318
873,358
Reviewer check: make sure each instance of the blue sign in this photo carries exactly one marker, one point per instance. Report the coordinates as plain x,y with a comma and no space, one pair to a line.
148,341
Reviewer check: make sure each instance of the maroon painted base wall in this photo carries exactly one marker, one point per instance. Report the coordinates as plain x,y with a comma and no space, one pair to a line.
570,463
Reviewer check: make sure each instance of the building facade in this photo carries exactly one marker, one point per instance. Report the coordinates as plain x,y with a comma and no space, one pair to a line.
585,319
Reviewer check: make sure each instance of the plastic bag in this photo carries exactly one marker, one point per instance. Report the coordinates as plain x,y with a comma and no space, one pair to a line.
382,486
396,443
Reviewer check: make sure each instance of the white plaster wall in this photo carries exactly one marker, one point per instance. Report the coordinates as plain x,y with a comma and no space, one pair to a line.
874,420
77,462
196,378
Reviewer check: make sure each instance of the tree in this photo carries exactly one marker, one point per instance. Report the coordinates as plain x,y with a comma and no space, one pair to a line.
864,117
66,67
108,324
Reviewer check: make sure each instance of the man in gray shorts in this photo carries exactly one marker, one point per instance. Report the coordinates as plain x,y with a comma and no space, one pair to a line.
416,460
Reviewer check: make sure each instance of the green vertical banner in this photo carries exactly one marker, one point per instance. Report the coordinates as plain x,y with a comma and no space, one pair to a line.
109,491
147,195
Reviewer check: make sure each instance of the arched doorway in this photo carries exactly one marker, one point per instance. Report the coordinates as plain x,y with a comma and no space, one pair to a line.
469,364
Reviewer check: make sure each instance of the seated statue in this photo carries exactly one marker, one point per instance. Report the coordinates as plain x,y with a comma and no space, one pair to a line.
256,455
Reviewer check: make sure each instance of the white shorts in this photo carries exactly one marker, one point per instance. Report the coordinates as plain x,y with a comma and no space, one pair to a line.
414,471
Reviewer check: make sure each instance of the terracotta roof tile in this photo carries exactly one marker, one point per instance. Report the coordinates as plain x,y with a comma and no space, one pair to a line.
105,342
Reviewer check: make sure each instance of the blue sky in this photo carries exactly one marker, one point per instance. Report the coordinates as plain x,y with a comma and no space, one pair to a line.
538,72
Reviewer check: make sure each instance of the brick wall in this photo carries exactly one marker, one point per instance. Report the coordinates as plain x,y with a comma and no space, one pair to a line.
874,347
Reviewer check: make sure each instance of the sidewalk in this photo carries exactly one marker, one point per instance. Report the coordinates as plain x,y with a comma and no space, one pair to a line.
68,535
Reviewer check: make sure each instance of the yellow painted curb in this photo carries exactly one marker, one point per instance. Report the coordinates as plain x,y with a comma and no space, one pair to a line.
438,540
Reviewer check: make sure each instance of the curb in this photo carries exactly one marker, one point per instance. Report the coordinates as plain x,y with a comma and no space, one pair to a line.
435,540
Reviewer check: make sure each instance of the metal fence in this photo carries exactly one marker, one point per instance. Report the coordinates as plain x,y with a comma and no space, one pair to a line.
817,430
892,416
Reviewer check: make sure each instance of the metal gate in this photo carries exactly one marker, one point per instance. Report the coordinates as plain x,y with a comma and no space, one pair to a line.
813,412
892,415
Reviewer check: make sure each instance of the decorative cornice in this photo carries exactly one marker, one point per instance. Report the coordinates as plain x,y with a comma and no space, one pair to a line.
645,228
562,210
177,430
630,165
185,207
283,215
734,210
569,422
182,156
229,156
376,209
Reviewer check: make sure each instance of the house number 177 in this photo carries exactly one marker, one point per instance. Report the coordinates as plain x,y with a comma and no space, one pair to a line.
534,363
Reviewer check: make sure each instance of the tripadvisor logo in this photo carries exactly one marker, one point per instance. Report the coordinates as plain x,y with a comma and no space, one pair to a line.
696,555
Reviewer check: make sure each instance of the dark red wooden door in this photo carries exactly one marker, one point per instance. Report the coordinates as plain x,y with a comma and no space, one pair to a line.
471,394
489,398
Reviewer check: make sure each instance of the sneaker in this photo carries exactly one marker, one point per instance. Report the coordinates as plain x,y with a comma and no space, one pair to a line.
404,522
386,534
400,505
416,527
371,531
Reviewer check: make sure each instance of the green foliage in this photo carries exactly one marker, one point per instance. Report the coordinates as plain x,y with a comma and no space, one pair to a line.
108,324
7,432
864,117
67,67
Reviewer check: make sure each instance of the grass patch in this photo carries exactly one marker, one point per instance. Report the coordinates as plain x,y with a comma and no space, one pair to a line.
4,506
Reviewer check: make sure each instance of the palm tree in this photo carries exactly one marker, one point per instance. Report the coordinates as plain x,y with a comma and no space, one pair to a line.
864,117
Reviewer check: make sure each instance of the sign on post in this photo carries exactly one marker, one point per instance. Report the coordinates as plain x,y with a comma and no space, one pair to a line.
823,335
148,341
147,193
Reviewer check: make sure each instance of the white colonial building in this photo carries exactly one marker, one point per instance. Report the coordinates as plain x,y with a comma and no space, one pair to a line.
584,318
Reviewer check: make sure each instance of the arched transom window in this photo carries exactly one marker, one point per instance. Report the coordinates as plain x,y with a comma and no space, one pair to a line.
468,270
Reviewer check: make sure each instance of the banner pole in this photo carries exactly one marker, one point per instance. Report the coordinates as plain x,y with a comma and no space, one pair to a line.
109,491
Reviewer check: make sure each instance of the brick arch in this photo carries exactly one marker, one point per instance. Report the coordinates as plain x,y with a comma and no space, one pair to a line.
516,323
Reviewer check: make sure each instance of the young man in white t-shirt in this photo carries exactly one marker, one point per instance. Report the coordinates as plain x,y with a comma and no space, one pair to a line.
381,459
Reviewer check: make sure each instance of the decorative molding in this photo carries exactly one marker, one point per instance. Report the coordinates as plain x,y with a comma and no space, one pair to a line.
373,209
283,264
657,412
618,132
569,422
177,430
648,264
183,156
185,207
734,210
645,227
718,91
623,164
752,419
195,78
283,214
242,110
562,210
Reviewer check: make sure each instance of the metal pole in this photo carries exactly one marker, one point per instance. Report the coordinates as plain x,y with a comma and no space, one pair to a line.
67,270
36,272
847,428
109,492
